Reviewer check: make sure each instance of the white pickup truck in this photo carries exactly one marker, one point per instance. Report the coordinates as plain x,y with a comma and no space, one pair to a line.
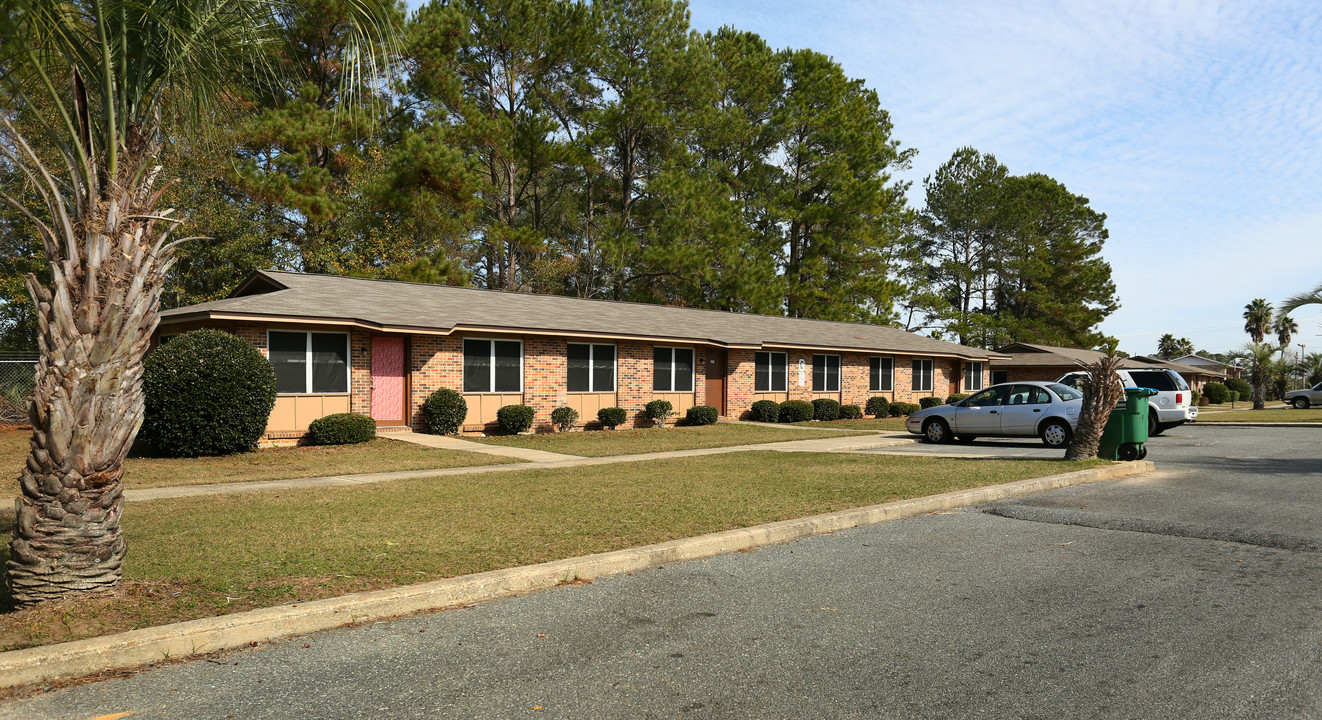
1303,399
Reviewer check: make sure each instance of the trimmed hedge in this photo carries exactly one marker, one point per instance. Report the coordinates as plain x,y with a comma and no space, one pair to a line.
878,406
444,411
612,417
929,402
342,429
956,398
205,392
826,409
701,415
767,411
792,411
658,411
514,419
1241,386
903,409
850,412
1216,393
564,418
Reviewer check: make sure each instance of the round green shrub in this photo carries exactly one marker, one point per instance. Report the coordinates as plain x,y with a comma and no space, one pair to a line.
767,411
826,409
341,429
956,398
929,402
444,411
205,392
1195,397
564,418
612,417
850,412
1216,393
1240,386
903,409
701,415
878,406
792,411
658,411
514,419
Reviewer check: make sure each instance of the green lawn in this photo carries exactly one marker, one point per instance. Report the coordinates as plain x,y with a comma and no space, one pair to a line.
192,557
1310,415
886,424
600,443
271,464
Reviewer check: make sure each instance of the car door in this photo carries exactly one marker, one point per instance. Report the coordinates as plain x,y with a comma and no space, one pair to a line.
981,413
1315,394
1023,409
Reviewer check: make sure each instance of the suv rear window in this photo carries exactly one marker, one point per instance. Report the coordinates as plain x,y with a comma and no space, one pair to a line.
1155,379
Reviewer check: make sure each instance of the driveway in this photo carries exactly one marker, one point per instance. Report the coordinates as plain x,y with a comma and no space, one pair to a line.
1191,593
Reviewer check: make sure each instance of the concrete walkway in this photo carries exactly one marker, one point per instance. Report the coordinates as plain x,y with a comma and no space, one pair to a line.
445,442
826,444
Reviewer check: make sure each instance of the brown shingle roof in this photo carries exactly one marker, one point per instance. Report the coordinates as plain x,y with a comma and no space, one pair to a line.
401,306
1033,355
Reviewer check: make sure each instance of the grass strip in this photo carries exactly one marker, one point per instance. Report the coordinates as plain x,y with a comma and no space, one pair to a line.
1310,415
190,558
632,441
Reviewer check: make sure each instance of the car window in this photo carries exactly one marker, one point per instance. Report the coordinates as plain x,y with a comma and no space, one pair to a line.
1027,395
1178,379
1155,379
990,397
1072,380
1318,386
1065,391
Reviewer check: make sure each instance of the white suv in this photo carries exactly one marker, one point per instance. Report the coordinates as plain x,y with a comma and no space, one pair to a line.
1168,408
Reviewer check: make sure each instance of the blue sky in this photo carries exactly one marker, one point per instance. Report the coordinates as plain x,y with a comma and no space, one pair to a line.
1195,126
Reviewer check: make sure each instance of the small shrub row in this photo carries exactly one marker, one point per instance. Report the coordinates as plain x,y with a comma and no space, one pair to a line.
792,411
341,429
825,409
850,412
929,402
903,409
767,411
878,407
514,419
1240,386
701,415
564,418
956,398
1216,393
612,417
659,411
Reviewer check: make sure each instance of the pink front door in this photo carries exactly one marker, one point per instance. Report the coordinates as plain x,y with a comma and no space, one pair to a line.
388,380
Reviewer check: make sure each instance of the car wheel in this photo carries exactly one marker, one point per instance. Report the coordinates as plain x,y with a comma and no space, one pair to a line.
936,430
1056,433
966,438
1127,452
1301,403
1154,428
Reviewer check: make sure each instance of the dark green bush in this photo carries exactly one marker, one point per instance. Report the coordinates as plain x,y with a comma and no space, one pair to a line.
612,417
878,406
658,411
444,411
764,411
903,409
826,409
1240,386
206,392
792,411
701,415
1234,396
514,419
564,418
956,398
850,412
1195,396
929,402
341,429
1216,393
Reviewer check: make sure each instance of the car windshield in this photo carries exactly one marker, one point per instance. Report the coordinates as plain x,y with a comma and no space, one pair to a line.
1071,380
1065,391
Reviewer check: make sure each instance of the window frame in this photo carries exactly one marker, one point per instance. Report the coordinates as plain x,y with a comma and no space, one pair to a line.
307,360
771,365
826,374
968,365
592,375
930,375
874,374
491,373
693,369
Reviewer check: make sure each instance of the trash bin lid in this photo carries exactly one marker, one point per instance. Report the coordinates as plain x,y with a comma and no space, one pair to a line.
1139,392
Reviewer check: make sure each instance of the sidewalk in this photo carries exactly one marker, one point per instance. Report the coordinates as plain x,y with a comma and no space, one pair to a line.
446,442
826,444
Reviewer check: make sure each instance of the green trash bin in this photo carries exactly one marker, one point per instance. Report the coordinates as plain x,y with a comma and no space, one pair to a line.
1126,430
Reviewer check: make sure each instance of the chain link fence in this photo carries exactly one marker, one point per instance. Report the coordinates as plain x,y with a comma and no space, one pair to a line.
17,378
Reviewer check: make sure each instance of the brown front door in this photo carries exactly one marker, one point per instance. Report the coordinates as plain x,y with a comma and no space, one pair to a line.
716,380
388,380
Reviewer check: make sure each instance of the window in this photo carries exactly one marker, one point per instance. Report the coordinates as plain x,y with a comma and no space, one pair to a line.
309,362
1028,395
881,377
672,369
826,373
972,376
922,375
770,372
591,368
1066,392
493,366
1154,379
991,397
1000,376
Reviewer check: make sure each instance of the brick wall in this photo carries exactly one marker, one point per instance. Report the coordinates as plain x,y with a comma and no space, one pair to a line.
1034,374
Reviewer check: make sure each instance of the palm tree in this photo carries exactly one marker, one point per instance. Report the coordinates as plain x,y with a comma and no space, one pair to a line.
1311,368
1167,346
1285,329
1294,302
1257,319
109,76
1260,371
1102,390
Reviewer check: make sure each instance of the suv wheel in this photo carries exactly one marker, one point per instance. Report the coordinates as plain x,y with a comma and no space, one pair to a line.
1056,433
1155,428
1301,403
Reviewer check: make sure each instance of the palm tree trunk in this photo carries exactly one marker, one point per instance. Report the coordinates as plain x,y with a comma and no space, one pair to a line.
1102,390
95,323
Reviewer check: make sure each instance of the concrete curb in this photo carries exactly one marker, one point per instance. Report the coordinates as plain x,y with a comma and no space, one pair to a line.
139,647
1233,423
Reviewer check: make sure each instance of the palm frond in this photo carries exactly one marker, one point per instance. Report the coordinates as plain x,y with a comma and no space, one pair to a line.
1294,302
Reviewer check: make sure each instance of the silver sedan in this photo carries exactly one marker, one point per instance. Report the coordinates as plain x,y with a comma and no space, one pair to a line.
1046,410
